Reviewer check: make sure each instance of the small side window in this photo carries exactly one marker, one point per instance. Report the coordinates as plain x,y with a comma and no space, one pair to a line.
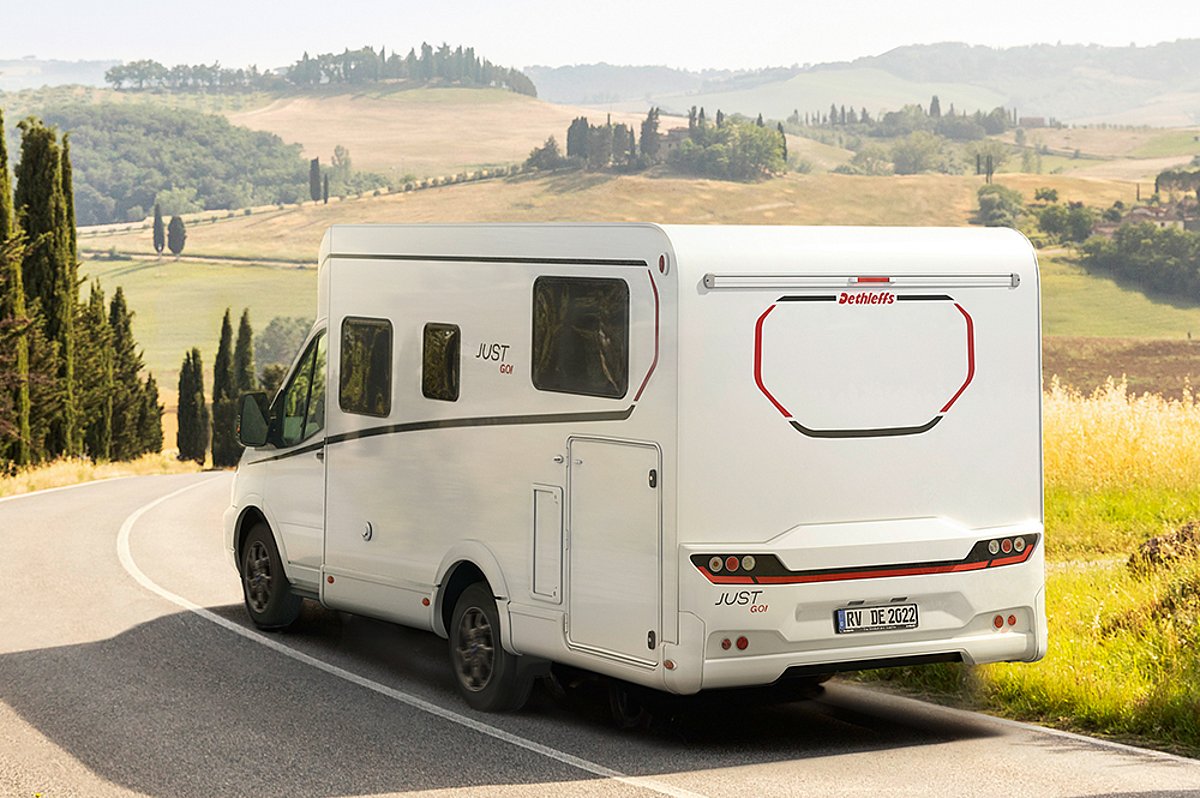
440,362
581,336
365,386
301,404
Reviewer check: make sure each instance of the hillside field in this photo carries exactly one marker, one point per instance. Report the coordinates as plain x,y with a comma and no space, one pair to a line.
294,233
420,132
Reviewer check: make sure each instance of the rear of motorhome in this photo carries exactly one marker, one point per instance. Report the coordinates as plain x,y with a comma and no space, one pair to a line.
683,457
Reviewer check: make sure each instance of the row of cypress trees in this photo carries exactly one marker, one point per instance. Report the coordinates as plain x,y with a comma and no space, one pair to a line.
233,375
69,371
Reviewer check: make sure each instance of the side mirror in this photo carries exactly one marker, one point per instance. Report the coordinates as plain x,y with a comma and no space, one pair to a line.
252,425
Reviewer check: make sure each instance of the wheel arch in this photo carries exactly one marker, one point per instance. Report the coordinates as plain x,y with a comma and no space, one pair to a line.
247,518
464,565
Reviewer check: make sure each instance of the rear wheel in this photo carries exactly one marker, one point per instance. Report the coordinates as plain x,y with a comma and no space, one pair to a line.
270,602
487,676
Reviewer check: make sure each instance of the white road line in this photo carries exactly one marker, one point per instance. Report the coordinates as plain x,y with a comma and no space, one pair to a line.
127,562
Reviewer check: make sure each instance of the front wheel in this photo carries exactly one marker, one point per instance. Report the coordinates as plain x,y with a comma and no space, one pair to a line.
270,602
487,676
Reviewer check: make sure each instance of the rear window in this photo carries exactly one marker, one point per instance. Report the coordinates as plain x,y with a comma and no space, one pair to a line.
365,386
581,336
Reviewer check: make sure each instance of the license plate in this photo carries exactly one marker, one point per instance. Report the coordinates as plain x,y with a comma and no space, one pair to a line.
875,619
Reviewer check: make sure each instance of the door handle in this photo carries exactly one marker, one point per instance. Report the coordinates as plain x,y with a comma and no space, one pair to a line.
321,455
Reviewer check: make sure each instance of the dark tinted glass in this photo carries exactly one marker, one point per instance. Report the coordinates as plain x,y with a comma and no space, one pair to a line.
581,335
365,385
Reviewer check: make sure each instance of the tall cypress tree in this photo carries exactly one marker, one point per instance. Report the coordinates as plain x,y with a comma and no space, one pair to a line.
223,365
192,438
127,363
47,269
68,290
225,450
244,376
314,179
150,418
13,318
160,231
95,359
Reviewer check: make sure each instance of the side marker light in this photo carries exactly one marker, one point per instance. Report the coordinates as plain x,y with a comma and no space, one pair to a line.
742,643
998,621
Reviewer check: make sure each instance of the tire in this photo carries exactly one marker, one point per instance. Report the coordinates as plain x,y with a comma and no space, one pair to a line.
489,678
270,602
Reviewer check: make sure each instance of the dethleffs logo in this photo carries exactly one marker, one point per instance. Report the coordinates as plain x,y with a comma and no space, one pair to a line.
867,298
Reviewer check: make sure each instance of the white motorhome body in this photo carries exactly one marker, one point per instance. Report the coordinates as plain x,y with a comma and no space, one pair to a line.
686,457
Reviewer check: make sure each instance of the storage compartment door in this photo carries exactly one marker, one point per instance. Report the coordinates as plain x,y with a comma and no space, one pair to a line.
615,548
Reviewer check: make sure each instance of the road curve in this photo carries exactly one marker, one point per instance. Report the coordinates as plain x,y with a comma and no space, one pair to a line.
127,668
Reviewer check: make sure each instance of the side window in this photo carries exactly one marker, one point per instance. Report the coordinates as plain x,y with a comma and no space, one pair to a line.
365,386
581,336
302,402
440,362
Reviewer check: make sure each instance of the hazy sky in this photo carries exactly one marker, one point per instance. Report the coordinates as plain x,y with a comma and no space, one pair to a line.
694,35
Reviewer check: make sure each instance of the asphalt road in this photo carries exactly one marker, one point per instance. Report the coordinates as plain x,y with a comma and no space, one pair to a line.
127,667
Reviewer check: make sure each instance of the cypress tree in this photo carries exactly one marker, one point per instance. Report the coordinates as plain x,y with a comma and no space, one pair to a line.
95,359
160,231
48,272
225,450
782,138
68,290
176,236
127,363
223,365
150,419
314,179
192,438
13,318
244,379
325,190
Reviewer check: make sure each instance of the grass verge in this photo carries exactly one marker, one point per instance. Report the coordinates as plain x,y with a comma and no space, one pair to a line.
1122,661
75,470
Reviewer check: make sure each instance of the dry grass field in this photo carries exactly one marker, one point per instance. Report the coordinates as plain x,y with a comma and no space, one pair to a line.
421,132
1139,142
295,232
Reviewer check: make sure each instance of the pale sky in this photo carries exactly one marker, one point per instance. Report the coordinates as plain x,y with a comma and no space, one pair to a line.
691,35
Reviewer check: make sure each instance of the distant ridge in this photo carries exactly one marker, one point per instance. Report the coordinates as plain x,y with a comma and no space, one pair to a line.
1155,85
33,73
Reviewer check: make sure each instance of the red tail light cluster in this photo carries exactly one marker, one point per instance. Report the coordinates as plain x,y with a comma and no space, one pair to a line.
1006,545
742,643
999,620
731,563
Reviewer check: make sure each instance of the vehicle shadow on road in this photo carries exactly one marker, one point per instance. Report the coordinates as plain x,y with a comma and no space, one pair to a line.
181,707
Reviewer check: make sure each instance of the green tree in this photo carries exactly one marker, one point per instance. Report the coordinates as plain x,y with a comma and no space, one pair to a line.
935,107
127,366
95,359
314,179
917,152
150,414
1080,221
244,379
160,231
999,206
649,143
325,190
176,236
222,385
15,444
192,437
48,270
782,141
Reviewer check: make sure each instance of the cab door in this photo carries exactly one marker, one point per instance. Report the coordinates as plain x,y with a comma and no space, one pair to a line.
295,483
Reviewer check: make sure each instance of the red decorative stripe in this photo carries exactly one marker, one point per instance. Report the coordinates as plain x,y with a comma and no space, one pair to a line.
1022,557
654,364
873,279
758,362
970,357
725,580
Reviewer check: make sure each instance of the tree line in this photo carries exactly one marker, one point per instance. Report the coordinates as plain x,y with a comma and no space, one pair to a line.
732,148
460,66
1162,259
956,125
70,380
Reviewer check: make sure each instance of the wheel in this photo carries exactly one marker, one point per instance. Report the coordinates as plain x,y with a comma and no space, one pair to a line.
489,678
627,707
270,602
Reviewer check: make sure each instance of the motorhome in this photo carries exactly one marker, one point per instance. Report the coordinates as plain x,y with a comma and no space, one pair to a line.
685,457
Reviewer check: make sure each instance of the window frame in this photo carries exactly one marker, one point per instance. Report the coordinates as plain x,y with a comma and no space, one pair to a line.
382,323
